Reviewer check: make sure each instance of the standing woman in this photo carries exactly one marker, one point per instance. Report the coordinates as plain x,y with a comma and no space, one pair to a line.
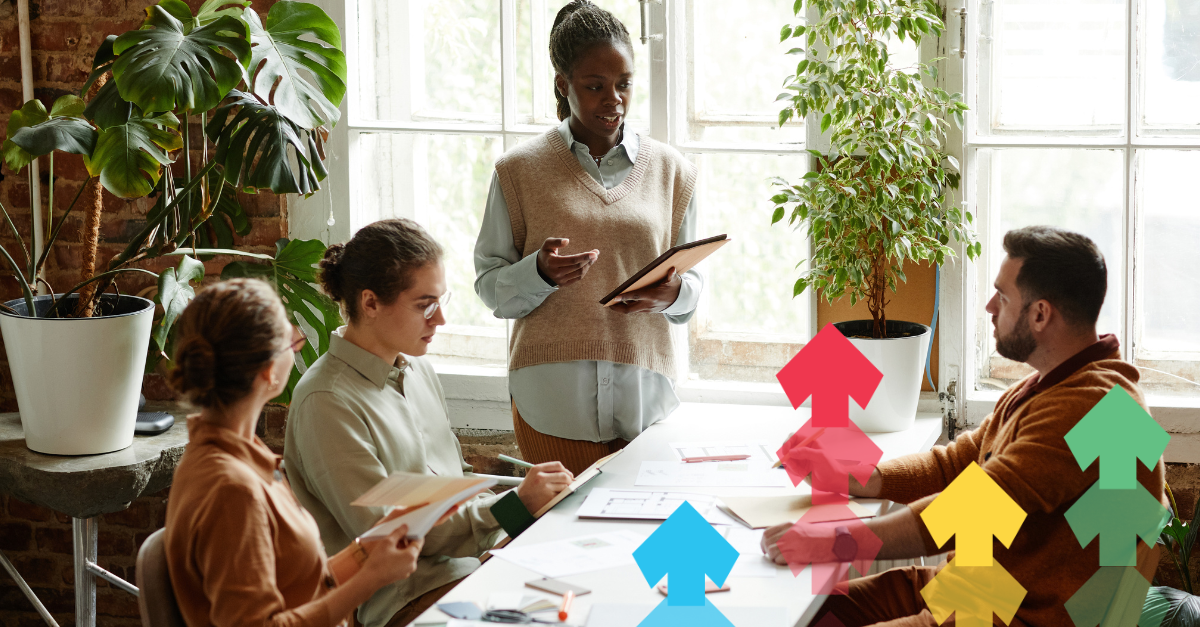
240,550
571,215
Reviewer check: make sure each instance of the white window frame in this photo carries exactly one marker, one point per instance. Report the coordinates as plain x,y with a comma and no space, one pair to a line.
965,291
478,397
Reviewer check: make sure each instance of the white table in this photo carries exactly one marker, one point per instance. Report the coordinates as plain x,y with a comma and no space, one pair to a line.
625,585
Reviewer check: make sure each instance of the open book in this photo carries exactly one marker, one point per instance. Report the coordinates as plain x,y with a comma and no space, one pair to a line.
428,496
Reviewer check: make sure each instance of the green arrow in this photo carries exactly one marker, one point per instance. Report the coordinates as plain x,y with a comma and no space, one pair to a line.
1119,517
1117,431
1113,597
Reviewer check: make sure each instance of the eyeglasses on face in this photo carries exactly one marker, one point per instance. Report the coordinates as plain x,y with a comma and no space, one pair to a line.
435,305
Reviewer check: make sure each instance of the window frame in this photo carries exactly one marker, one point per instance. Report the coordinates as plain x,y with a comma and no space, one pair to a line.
966,290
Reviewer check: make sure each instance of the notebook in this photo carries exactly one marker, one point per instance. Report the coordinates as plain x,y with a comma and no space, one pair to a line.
430,496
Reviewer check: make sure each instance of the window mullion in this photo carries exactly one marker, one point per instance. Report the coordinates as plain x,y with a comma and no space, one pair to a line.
1129,327
508,64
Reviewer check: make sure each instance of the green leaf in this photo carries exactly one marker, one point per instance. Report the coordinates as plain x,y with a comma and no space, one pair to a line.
228,218
101,62
31,113
825,122
785,32
129,157
778,215
293,274
799,287
254,142
213,10
298,40
71,135
108,109
174,293
162,68
1168,607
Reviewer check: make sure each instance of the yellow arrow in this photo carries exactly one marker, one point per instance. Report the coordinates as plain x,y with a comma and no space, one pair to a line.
973,508
973,594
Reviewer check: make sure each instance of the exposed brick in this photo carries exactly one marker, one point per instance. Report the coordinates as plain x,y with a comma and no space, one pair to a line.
113,602
55,540
57,35
114,542
10,99
16,536
37,570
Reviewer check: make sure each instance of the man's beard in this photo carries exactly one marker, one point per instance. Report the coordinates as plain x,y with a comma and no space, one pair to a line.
1019,344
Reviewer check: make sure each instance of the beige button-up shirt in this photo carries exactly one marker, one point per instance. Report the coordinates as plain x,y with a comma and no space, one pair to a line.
355,419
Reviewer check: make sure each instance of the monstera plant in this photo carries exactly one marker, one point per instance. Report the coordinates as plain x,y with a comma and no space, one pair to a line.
189,110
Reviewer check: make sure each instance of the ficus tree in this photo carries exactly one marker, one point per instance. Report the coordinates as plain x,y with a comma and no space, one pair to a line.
879,197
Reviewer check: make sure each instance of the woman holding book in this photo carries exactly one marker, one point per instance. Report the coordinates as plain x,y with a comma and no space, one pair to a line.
240,550
571,215
372,406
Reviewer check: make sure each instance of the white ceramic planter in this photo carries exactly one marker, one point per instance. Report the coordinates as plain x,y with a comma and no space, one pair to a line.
902,362
78,380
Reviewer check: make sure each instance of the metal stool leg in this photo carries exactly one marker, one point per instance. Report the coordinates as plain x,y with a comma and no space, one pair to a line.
37,603
85,532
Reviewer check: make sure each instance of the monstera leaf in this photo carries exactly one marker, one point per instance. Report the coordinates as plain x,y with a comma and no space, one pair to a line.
1168,607
107,108
175,291
101,63
129,157
162,68
62,129
209,12
253,142
280,59
293,272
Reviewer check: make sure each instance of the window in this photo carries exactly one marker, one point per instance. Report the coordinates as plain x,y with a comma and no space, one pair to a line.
1084,116
441,88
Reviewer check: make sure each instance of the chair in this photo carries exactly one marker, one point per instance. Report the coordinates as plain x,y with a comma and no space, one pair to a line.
156,597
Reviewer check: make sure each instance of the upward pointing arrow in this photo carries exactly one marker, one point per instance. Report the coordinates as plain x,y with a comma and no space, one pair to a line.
1118,432
685,548
830,370
973,508
830,456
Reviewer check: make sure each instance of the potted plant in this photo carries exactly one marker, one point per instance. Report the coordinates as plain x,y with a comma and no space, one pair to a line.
1172,607
878,198
263,94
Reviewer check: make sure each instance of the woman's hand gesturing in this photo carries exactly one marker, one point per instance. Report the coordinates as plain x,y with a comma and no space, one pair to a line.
563,270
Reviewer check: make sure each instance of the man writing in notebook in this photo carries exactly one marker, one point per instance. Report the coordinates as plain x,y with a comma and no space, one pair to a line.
1049,292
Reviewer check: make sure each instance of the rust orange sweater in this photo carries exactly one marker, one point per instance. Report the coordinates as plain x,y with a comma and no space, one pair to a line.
1021,446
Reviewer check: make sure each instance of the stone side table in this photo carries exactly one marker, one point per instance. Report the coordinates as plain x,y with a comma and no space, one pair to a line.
83,487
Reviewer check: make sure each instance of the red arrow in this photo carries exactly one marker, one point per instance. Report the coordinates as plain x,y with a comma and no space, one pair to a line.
830,370
831,539
831,456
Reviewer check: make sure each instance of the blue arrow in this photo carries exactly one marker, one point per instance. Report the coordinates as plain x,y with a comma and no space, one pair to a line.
685,548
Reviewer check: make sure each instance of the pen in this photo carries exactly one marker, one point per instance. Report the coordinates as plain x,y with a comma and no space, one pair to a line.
803,443
563,609
715,458
514,461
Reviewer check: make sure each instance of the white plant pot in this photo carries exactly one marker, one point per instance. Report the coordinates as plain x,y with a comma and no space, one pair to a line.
78,380
902,362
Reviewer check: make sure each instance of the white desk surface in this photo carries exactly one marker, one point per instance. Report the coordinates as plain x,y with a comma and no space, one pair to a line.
691,422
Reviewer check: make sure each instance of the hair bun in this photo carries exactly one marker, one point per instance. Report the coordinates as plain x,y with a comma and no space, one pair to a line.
195,373
567,10
331,271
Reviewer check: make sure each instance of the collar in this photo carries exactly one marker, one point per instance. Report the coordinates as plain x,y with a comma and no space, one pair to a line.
253,452
366,363
1104,348
629,141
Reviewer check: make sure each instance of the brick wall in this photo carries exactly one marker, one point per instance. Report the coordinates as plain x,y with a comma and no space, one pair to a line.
65,35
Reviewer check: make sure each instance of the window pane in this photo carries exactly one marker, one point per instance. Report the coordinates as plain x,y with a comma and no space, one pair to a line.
737,68
1055,65
445,192
1169,295
747,315
429,60
1080,190
630,15
1170,65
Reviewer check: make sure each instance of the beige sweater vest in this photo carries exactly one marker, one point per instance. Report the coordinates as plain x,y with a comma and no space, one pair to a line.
550,195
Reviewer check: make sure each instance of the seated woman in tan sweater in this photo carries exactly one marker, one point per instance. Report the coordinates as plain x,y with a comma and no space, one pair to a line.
240,549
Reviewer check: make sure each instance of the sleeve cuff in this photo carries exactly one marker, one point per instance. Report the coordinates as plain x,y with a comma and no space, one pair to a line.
512,515
689,296
527,279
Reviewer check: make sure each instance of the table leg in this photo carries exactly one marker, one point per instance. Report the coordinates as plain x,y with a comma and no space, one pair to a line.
86,533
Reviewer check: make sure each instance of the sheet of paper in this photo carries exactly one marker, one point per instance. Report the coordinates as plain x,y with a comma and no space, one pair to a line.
758,450
650,505
572,556
751,562
765,511
620,615
743,474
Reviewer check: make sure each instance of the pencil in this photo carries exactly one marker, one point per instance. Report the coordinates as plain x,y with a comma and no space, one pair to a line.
514,461
803,443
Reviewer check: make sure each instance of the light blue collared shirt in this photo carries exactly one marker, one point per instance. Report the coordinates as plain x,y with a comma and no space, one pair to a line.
596,401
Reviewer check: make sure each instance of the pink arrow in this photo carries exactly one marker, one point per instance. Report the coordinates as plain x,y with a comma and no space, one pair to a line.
830,370
831,456
831,539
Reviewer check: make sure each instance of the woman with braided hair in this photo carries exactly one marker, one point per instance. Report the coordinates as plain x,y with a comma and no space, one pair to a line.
570,215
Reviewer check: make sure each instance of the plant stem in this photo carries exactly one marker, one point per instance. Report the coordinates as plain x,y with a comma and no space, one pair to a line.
102,275
50,202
